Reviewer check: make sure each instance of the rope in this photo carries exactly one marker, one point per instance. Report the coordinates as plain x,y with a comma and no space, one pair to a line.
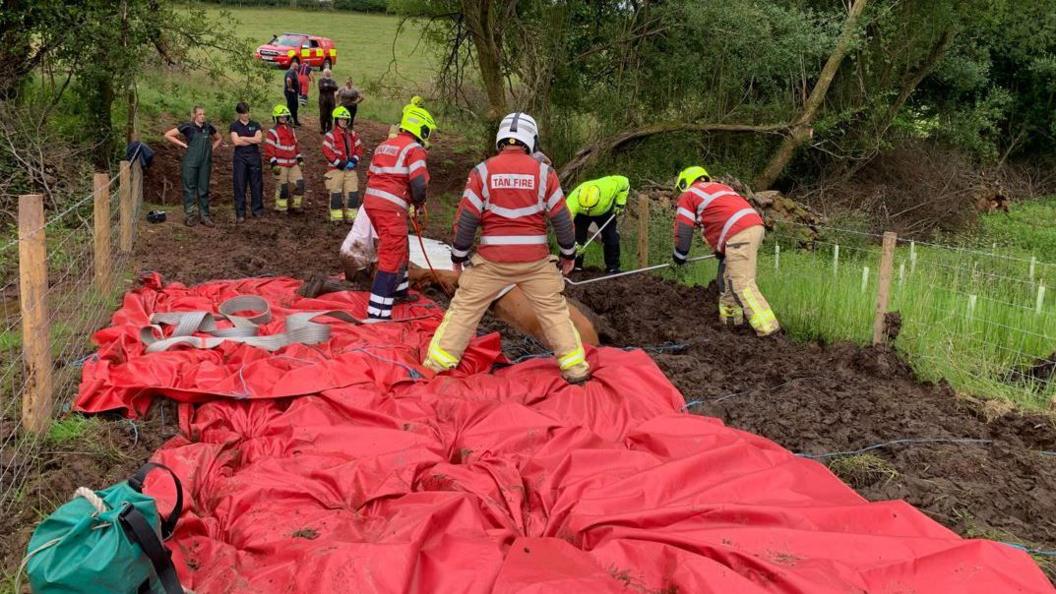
924,440
425,254
96,501
1030,550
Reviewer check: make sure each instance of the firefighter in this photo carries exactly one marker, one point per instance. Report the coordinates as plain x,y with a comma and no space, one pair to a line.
200,140
397,179
734,231
284,156
510,197
343,149
599,202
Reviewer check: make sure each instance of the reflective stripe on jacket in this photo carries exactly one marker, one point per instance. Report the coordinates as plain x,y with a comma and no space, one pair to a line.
341,144
394,164
511,196
720,212
281,144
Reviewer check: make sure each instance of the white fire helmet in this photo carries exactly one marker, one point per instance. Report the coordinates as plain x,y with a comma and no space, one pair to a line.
521,127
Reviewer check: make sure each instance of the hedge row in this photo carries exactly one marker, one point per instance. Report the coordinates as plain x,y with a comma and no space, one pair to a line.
352,5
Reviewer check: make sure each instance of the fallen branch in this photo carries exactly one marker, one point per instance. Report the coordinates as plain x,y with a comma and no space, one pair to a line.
612,143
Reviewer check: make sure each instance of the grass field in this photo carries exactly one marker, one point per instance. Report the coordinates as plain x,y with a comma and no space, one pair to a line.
366,43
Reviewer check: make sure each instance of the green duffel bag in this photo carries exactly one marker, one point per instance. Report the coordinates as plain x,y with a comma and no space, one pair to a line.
106,541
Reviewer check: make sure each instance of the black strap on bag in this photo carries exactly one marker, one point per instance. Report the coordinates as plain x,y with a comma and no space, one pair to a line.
139,530
136,482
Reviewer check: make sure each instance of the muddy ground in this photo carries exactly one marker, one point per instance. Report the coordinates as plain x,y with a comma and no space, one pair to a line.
810,398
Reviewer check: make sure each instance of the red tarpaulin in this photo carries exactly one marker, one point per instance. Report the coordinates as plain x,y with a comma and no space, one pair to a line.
344,467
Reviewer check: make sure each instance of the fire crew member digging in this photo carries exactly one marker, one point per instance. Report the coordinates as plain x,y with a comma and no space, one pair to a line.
510,197
397,179
342,149
284,155
597,202
734,231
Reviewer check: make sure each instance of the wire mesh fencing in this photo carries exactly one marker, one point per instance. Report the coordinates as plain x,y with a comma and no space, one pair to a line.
78,303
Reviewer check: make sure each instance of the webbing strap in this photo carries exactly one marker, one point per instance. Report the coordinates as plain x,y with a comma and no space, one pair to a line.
139,531
300,327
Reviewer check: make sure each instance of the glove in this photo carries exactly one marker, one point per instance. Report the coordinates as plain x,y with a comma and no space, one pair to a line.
275,166
412,211
300,161
619,209
342,164
679,259
567,265
354,161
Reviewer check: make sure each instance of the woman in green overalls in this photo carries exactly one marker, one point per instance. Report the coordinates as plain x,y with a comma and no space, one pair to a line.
200,139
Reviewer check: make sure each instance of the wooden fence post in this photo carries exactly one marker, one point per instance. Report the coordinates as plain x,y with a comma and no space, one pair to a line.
128,217
101,193
643,231
137,186
33,290
883,287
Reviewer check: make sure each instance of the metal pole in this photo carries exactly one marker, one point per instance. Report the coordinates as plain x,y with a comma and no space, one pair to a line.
635,271
583,248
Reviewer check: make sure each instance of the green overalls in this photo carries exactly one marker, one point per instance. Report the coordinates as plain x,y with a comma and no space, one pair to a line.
197,165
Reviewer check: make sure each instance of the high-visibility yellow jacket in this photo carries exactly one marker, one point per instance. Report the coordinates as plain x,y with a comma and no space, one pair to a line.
614,189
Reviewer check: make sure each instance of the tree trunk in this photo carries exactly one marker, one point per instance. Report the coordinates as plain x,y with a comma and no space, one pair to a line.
801,129
607,145
100,102
489,59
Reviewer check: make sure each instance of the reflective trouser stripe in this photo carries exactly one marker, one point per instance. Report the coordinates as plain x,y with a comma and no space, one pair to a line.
570,360
280,204
762,319
337,214
438,355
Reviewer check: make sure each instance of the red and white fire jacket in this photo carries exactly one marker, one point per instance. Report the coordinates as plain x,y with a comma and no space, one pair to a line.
341,144
396,162
281,146
510,197
720,212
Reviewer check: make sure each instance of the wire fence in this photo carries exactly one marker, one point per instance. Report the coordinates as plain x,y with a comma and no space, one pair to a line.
78,304
984,321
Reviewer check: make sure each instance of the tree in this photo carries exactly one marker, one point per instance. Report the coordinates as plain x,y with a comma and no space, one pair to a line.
801,130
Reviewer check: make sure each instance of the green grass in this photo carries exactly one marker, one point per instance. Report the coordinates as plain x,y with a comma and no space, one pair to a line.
366,46
71,429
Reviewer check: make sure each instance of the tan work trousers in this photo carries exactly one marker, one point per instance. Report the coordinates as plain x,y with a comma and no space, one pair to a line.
343,187
739,291
478,287
288,183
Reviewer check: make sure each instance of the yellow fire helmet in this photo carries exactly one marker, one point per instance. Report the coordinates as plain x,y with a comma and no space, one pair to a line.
280,111
418,122
341,113
690,175
589,197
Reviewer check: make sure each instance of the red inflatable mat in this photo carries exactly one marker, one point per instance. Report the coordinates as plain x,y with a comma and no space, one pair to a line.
343,468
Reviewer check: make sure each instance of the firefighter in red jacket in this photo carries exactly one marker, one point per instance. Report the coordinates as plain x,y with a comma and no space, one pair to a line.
511,196
397,179
284,154
343,149
734,231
